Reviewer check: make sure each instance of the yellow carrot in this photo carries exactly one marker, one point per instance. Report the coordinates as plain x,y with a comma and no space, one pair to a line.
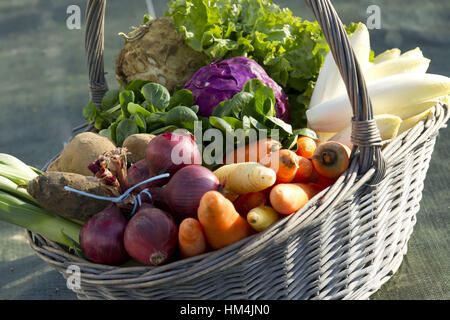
262,217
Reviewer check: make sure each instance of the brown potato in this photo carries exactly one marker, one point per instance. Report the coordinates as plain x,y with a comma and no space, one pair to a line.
136,146
84,148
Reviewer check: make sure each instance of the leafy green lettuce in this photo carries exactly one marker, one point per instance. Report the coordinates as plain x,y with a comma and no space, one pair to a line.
290,49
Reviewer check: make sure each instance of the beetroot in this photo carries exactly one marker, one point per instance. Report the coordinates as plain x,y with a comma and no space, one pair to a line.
101,237
151,236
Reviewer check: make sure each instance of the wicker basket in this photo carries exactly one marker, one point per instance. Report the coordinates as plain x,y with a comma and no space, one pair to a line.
344,244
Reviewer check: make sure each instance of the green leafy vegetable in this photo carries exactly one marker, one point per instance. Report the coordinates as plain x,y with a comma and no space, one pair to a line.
290,49
156,95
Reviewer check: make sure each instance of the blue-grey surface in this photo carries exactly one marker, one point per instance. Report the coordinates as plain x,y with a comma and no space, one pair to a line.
43,87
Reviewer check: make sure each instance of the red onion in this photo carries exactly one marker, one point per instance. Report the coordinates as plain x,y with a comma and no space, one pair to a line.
171,151
139,172
151,236
101,237
185,189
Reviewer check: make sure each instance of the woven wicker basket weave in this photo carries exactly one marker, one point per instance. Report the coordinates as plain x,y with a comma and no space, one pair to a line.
344,244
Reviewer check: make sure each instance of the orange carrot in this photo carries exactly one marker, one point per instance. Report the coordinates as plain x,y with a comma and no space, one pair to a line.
314,175
284,163
287,198
253,152
191,239
324,183
306,147
248,201
304,171
221,222
331,159
311,189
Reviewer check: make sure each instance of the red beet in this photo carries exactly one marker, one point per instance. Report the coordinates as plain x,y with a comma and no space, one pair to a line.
171,151
101,237
151,236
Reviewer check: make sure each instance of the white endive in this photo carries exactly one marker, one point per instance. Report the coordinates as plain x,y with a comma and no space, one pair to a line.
404,64
387,124
399,95
387,55
414,53
329,82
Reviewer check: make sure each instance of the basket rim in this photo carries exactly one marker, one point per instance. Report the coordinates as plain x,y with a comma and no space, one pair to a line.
191,268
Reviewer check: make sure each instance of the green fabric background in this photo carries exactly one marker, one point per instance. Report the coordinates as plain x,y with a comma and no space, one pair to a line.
44,86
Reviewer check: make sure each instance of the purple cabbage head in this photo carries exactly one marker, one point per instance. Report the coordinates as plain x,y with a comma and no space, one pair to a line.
220,81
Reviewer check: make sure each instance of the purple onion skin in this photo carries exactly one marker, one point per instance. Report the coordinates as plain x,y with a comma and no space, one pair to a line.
220,81
139,172
101,237
159,152
151,236
185,189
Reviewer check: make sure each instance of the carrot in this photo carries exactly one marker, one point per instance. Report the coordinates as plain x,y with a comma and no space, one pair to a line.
287,198
285,163
314,175
254,151
311,189
331,159
247,177
248,201
262,217
221,222
304,171
306,147
324,183
191,239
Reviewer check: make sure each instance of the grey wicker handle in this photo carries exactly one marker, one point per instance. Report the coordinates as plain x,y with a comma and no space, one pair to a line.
94,45
365,134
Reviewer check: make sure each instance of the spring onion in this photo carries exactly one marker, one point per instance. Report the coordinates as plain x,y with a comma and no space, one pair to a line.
18,207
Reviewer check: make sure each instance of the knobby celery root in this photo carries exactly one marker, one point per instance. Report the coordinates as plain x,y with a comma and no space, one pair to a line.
157,52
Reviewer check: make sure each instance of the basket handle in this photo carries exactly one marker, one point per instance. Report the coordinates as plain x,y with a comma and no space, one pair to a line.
94,48
365,135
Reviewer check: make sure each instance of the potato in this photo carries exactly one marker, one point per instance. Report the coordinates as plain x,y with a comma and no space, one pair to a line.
48,190
84,148
136,146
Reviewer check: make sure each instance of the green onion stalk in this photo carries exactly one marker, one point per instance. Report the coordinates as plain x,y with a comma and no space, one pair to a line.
18,207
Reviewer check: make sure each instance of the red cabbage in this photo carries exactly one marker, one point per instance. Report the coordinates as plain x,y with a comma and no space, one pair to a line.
220,81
